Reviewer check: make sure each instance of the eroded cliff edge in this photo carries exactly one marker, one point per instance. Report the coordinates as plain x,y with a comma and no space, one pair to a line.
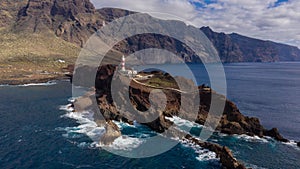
232,121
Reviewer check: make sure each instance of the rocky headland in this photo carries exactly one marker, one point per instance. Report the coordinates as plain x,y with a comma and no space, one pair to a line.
232,121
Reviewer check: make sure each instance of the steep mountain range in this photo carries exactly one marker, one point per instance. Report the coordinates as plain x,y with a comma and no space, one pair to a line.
65,25
238,48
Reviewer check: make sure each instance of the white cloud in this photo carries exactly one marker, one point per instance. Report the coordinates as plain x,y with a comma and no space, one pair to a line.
165,9
254,18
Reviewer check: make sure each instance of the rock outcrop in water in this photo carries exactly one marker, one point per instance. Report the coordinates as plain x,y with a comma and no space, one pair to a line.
112,132
226,158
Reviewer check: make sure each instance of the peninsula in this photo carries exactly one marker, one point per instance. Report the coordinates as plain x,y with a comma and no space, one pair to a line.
232,121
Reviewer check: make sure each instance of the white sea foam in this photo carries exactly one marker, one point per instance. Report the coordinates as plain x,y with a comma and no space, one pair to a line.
247,138
253,166
136,124
266,139
87,125
122,125
180,122
252,138
222,134
293,144
185,123
126,143
91,130
72,99
81,117
84,145
38,84
203,154
50,83
67,108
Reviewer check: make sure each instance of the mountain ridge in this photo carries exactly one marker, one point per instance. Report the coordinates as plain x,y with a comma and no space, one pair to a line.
36,34
239,48
74,21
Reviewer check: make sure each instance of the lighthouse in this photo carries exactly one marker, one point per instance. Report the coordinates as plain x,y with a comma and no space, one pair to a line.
131,73
123,69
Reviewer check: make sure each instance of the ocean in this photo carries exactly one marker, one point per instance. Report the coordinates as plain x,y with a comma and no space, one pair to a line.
37,130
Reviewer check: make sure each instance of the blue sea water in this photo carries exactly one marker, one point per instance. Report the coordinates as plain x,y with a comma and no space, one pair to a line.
36,133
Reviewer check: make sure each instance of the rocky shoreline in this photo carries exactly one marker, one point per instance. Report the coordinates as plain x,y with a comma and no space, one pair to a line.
17,78
31,81
232,121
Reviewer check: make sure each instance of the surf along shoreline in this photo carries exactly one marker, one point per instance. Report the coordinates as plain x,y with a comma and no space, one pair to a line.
222,152
18,77
233,121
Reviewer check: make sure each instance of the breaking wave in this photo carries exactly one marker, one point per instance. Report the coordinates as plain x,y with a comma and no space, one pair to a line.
125,143
87,126
202,153
253,138
50,83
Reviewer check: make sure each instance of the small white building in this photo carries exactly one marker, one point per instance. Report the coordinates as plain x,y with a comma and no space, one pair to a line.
127,72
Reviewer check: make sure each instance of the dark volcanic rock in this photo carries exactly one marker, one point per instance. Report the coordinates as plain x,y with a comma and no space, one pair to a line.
274,133
228,160
112,132
225,155
232,122
111,14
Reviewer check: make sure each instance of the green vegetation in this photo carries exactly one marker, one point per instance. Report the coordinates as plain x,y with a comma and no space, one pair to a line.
34,45
29,56
161,81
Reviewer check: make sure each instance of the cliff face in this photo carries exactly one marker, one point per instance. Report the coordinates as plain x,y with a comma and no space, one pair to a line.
72,20
9,11
76,20
111,14
231,47
238,48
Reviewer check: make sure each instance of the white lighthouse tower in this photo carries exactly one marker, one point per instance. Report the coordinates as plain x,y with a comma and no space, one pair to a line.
123,69
131,73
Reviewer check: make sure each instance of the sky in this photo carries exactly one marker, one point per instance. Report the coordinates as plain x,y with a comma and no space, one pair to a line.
275,20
